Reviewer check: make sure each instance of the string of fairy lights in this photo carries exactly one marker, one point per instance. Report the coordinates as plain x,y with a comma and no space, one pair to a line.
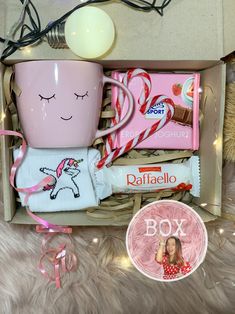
32,33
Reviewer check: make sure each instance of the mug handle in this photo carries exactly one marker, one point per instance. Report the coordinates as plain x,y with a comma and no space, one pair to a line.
100,133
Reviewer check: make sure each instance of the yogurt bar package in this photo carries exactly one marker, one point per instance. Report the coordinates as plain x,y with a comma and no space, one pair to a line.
180,133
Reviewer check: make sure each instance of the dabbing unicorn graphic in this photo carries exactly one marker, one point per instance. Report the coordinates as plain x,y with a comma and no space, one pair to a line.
63,176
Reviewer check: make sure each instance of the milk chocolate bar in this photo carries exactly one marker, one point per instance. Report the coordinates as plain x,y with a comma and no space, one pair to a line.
183,115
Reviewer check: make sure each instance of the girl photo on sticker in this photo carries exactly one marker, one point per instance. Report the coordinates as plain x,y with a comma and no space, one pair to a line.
170,256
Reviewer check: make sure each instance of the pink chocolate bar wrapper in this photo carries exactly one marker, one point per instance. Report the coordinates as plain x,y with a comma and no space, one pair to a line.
173,135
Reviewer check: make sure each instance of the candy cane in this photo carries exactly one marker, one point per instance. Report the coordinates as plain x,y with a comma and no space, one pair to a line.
147,84
144,134
129,75
155,100
118,106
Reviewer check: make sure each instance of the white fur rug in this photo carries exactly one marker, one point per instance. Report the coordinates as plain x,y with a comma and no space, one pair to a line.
106,283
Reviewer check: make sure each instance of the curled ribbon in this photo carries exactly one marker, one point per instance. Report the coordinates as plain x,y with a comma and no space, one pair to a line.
17,163
61,258
57,256
29,190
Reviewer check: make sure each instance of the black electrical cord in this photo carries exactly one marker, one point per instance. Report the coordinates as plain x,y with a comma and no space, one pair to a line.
35,33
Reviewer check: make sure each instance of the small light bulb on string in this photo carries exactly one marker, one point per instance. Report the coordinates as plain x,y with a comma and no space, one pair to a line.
26,51
95,240
124,262
215,142
3,116
218,143
221,231
89,32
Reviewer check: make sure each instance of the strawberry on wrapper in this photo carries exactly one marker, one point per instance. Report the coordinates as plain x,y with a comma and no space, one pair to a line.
176,89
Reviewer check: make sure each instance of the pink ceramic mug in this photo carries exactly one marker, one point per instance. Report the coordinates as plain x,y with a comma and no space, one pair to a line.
60,102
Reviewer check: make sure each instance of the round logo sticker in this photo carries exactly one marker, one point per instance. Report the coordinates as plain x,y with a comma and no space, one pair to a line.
166,240
157,111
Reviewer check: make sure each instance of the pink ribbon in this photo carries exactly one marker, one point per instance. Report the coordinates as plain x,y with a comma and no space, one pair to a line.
60,256
17,163
32,189
42,229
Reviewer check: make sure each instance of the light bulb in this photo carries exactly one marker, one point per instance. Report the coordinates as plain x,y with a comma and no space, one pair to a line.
89,32
221,230
124,262
95,240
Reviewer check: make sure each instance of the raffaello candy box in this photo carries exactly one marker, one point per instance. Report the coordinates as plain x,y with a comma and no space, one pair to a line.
182,132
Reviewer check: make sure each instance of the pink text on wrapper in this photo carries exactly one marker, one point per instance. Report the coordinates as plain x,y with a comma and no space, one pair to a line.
165,227
149,178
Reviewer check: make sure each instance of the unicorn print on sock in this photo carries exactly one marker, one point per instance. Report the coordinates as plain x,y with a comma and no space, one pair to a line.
63,176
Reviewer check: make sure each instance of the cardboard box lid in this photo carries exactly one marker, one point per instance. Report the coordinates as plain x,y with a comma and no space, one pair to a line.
189,30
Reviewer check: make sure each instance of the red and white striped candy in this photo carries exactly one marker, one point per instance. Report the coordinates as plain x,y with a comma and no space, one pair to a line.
147,84
144,134
118,109
129,75
152,102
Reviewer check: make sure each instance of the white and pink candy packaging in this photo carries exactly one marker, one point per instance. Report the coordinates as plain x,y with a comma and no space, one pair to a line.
150,178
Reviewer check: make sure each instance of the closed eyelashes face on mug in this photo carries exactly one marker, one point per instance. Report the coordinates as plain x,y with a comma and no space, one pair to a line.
77,95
